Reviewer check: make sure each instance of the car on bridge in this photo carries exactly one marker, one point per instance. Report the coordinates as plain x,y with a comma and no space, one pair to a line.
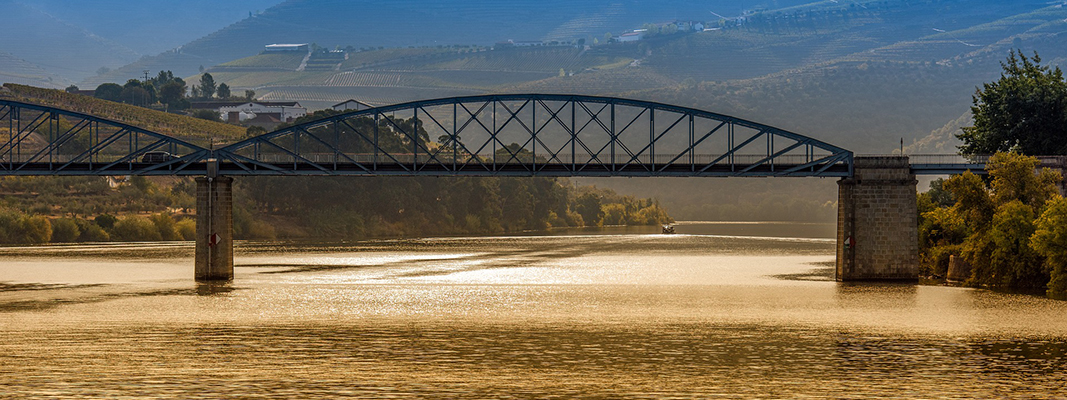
156,157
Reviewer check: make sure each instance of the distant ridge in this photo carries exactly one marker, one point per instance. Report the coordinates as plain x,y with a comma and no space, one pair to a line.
58,47
393,23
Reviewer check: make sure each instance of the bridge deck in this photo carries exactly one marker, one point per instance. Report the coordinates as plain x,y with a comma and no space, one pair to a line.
394,169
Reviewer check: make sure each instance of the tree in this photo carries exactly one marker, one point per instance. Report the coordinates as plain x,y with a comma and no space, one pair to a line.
1024,111
137,94
224,91
207,86
1014,179
588,205
1050,240
109,92
172,93
71,89
250,95
1012,263
65,231
210,115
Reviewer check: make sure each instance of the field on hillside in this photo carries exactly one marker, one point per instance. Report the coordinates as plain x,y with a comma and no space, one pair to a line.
286,61
17,70
193,130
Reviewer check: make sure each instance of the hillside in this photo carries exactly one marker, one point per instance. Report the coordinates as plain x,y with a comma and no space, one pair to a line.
57,46
150,26
193,130
17,70
402,23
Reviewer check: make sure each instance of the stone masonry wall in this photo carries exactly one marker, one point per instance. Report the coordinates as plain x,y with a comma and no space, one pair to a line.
877,209
214,214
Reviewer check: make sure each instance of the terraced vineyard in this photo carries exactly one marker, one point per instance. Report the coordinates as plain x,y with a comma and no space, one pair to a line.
323,97
194,130
283,61
16,70
375,58
245,80
617,81
324,61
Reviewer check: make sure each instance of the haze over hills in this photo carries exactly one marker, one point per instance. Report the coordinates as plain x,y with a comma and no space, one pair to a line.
72,40
374,23
56,46
149,27
859,74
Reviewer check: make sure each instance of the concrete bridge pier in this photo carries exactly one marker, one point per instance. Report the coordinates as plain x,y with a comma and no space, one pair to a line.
214,228
877,232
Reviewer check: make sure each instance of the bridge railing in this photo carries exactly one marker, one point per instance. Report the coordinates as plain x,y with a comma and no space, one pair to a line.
947,159
562,159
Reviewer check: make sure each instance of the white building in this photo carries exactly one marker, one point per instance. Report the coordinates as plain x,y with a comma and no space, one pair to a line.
274,48
351,105
630,37
263,112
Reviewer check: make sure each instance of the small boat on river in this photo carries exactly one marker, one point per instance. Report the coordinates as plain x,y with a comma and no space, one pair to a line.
668,229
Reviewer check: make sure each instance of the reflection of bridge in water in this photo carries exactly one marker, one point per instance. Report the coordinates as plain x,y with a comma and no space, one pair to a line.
492,135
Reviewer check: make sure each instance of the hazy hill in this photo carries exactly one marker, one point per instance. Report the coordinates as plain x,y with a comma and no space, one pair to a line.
194,130
57,46
17,70
149,27
393,23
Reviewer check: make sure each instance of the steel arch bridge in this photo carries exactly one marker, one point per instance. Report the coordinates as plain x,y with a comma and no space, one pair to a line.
490,135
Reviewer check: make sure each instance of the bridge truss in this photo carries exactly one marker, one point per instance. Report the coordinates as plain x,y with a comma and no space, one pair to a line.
492,135
39,140
533,134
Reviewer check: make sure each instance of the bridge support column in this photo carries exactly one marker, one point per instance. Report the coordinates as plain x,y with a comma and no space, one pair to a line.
877,232
214,228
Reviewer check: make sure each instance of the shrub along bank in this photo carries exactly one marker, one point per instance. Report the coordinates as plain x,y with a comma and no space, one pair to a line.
37,210
1010,228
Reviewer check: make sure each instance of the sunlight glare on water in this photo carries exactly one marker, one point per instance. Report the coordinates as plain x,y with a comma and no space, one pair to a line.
721,311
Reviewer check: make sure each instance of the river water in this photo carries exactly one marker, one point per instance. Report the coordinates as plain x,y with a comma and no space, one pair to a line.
718,310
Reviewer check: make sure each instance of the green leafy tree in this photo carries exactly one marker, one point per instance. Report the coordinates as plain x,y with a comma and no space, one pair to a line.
224,91
135,229
65,230
1024,111
210,115
135,93
1050,240
106,221
250,95
71,89
35,230
973,202
109,92
172,94
1014,180
589,206
207,86
1012,263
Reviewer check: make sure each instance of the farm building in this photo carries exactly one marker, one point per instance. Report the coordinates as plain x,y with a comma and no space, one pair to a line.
274,48
351,105
630,37
262,113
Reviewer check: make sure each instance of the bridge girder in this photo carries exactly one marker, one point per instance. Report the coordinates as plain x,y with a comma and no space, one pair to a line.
40,140
490,135
534,135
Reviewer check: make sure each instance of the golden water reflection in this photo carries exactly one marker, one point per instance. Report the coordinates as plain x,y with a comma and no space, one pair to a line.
608,314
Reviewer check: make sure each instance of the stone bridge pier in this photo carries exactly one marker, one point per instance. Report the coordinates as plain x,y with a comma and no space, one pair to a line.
877,221
214,228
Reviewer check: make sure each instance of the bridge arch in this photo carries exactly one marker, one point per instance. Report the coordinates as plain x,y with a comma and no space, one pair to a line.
534,135
42,140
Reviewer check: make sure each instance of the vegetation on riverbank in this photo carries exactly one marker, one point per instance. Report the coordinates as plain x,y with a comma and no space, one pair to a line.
1008,229
36,210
